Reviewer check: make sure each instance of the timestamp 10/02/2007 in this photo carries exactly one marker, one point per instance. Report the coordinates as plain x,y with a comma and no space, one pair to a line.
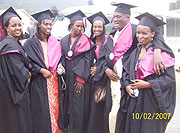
151,116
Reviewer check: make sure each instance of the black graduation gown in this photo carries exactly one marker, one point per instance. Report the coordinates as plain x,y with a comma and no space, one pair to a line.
38,87
76,105
99,115
158,99
15,115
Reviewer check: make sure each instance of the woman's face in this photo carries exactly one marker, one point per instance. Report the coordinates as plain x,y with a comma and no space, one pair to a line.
98,28
144,35
77,27
46,26
14,29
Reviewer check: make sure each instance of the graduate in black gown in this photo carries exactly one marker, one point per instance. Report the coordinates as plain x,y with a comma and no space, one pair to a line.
77,60
124,38
99,114
121,19
44,52
15,115
148,104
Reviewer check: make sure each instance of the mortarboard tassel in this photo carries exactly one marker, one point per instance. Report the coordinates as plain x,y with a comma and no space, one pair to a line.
85,22
112,19
1,28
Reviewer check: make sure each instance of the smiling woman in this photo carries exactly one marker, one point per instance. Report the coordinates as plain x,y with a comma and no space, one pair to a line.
14,77
153,90
77,59
14,28
44,52
144,35
101,73
98,29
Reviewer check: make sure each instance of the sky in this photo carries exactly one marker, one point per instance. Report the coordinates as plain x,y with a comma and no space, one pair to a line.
147,4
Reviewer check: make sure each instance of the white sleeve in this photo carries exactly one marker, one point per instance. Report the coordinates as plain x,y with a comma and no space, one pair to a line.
118,67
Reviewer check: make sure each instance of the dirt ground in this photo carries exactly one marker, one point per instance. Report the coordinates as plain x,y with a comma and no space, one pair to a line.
174,124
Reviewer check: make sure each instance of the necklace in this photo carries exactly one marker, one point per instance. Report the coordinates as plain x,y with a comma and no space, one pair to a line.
97,43
142,53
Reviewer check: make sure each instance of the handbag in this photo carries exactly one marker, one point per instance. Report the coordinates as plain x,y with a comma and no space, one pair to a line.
100,94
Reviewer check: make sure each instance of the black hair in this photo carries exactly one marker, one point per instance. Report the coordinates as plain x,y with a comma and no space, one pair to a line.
93,38
69,26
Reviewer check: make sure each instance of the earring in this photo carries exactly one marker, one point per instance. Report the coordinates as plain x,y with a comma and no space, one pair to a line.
151,38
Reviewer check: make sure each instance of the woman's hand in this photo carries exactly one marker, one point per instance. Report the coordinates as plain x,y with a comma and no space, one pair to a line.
60,66
158,63
93,70
111,74
129,91
46,73
140,84
78,86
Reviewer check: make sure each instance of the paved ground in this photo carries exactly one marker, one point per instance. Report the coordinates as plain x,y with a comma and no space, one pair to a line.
174,124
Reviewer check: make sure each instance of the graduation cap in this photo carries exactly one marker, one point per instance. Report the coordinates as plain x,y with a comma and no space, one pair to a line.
9,13
78,15
47,14
149,20
123,8
98,16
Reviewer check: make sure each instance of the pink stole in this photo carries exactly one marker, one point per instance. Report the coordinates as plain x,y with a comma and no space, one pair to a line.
1,28
123,43
54,53
97,51
145,67
82,45
11,51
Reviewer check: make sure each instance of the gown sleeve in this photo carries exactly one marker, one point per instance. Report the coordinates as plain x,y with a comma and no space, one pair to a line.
164,89
102,64
104,60
82,69
35,68
124,102
34,56
16,76
101,67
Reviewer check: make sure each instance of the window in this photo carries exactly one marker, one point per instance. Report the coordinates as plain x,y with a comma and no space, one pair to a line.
172,27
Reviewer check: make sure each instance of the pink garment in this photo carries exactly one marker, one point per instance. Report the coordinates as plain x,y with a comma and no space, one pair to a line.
54,53
12,51
97,51
123,43
1,27
53,97
82,45
79,79
145,67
